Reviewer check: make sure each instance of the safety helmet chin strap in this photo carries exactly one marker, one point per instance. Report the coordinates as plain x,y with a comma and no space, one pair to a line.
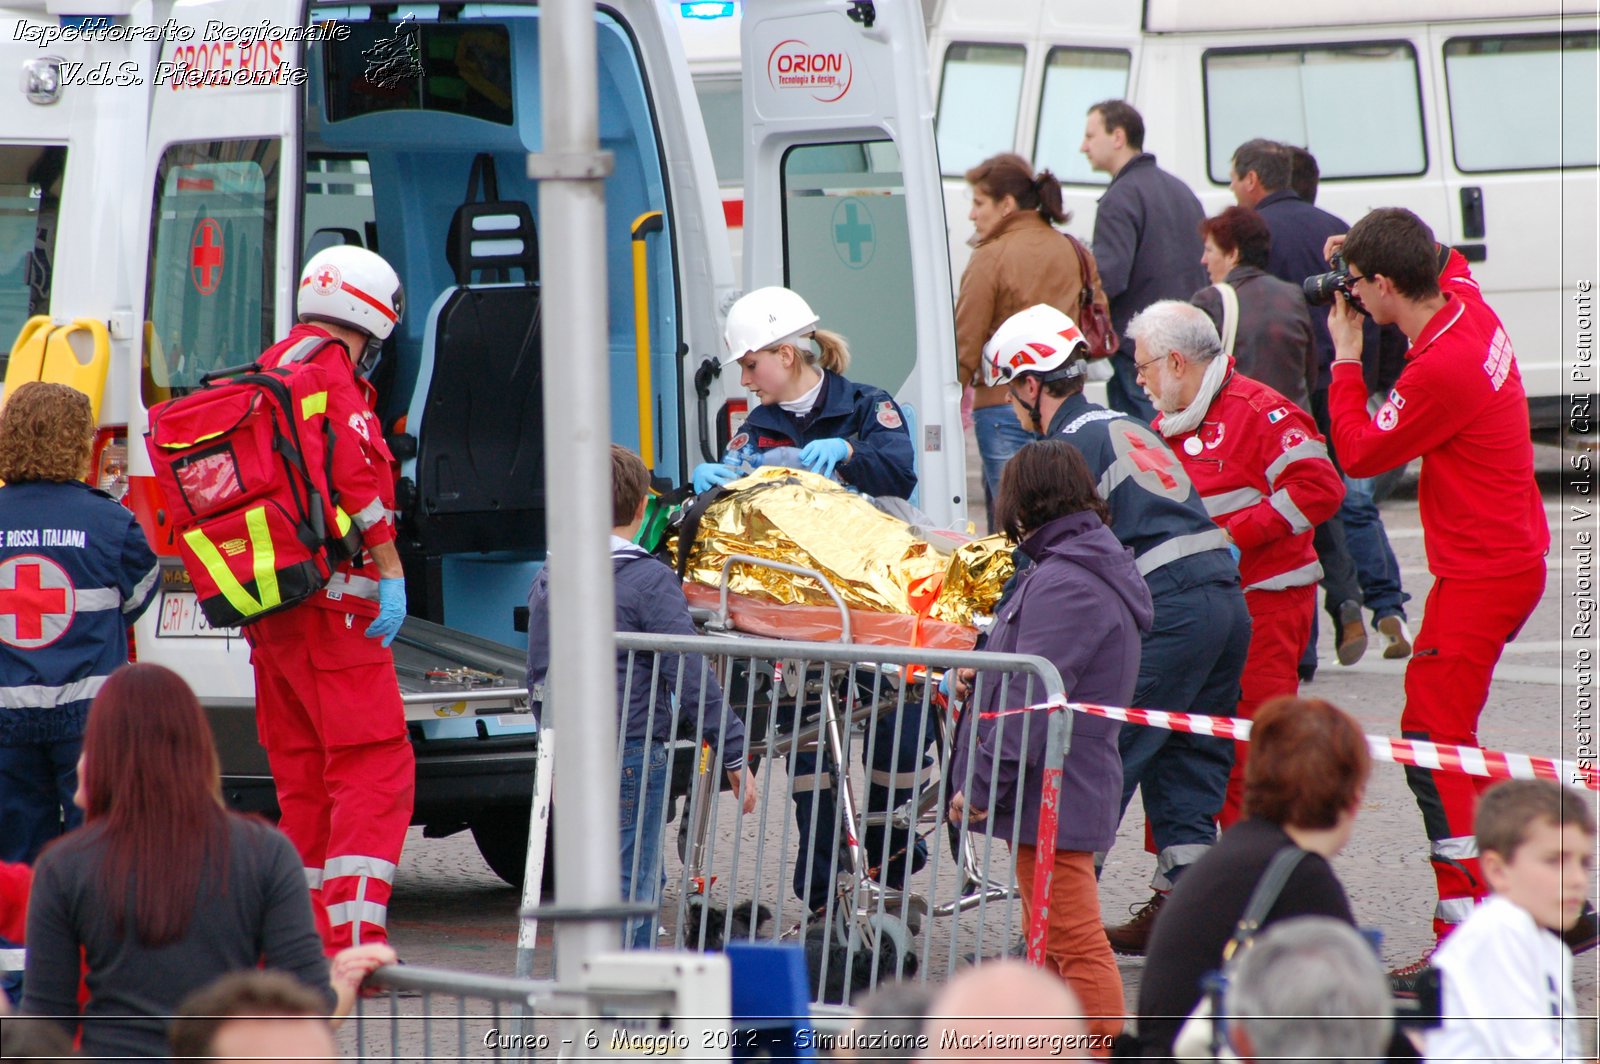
1034,413
369,357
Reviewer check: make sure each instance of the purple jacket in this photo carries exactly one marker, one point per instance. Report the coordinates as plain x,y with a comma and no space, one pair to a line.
1084,606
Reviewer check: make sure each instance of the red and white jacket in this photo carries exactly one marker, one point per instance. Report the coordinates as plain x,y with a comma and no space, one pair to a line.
1460,406
363,470
1263,472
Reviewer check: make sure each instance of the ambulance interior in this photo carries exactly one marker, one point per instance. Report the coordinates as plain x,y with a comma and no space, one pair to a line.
430,171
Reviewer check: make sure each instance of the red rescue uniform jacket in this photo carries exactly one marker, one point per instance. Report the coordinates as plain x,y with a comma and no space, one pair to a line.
1263,472
1460,406
363,470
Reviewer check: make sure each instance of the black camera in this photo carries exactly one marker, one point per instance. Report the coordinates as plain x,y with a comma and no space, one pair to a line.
1319,290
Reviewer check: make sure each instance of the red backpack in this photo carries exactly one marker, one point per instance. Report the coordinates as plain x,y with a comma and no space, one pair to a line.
244,468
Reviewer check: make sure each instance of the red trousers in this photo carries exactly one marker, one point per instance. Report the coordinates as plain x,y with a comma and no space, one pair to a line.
1280,624
1466,625
1075,945
328,712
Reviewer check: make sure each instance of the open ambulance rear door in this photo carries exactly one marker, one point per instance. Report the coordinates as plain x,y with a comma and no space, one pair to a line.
843,205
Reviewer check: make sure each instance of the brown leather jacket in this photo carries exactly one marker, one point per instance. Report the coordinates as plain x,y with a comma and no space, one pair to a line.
1024,263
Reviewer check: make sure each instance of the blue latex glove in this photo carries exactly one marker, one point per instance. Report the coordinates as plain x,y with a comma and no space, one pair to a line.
391,609
1234,550
709,474
820,456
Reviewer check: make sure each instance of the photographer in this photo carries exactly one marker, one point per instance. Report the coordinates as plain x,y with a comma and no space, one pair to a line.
1459,406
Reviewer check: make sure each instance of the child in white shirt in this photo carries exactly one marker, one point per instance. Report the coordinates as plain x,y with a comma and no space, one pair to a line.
1506,974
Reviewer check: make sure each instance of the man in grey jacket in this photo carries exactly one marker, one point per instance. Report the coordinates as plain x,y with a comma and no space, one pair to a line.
1146,236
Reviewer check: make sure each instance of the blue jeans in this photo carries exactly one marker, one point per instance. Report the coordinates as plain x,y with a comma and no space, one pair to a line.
1190,663
1123,393
1376,568
641,811
1000,435
36,785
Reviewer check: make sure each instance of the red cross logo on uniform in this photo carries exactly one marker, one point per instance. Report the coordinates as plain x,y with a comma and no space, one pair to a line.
37,601
205,256
1149,459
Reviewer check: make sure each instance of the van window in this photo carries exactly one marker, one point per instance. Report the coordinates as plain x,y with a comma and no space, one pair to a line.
209,303
1074,80
1357,107
979,97
406,66
30,199
722,108
847,250
338,203
1522,103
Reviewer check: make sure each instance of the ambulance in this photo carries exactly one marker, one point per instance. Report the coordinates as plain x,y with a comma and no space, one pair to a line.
166,166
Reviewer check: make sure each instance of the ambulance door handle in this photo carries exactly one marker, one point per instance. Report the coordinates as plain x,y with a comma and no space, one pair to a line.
1472,213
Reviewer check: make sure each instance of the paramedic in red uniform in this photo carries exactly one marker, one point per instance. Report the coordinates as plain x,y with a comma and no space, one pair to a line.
1262,471
327,701
1460,407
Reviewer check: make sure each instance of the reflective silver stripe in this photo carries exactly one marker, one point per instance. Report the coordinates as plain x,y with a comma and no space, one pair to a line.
895,779
1179,547
1115,474
1309,449
1176,857
142,588
360,865
370,514
302,349
314,878
815,781
1460,848
343,584
1226,502
1309,573
1281,502
13,960
39,696
95,599
1454,910
348,912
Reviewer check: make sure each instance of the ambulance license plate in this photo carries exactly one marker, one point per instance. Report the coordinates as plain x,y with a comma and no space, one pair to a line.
181,618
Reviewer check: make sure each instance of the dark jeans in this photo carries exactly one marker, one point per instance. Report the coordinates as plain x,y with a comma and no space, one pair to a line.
1191,661
1376,568
1123,392
37,781
1000,435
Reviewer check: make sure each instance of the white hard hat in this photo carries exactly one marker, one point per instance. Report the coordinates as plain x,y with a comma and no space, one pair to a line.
1039,340
351,286
766,318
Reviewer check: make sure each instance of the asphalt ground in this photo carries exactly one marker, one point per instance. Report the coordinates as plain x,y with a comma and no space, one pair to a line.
449,911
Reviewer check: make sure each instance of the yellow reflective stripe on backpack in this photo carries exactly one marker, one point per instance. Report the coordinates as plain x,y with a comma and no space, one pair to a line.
342,521
313,404
264,557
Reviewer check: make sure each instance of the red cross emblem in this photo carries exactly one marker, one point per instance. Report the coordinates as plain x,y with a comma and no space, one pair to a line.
1148,459
326,281
37,601
205,256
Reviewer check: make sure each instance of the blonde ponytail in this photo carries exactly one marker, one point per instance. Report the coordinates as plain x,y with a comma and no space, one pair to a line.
835,352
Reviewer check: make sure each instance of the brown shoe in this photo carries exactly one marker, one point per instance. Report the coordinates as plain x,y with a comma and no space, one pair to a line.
1132,937
1396,637
1352,633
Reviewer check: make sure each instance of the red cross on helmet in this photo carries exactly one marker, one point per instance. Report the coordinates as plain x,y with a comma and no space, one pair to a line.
1039,340
351,286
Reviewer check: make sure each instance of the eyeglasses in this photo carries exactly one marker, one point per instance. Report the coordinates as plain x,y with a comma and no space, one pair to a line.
1139,367
1358,277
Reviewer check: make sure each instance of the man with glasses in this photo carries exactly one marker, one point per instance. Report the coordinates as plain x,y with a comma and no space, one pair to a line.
1459,405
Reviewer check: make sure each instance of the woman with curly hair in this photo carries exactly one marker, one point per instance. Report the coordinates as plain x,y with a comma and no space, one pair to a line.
75,572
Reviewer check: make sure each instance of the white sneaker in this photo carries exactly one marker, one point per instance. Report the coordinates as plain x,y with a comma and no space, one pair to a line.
1396,637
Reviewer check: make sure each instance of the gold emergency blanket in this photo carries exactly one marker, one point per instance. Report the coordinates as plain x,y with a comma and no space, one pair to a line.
873,560
973,580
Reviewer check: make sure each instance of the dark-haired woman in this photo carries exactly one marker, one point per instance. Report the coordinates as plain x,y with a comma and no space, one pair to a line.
1303,783
1084,606
1018,260
162,890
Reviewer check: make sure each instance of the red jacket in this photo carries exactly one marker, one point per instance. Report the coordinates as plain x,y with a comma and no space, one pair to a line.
1459,405
363,470
1263,472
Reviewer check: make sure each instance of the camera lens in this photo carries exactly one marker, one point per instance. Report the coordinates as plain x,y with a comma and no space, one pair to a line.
1319,289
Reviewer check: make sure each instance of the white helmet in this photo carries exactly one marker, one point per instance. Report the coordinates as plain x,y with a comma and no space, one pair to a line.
351,286
1039,340
766,318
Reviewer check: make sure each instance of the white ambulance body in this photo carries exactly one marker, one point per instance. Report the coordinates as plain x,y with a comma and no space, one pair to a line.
166,166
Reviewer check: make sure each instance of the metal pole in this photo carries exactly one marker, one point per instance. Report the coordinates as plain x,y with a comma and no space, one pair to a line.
571,171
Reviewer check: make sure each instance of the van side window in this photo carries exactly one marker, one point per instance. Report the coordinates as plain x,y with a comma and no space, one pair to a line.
847,250
209,301
1074,80
1313,97
30,200
1539,85
722,108
338,203
979,96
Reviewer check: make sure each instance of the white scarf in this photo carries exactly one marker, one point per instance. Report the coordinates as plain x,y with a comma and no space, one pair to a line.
1188,419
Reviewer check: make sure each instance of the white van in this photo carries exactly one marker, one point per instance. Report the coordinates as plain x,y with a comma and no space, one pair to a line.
1479,115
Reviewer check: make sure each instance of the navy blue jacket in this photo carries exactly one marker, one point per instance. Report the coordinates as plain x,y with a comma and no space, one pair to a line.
866,417
648,599
75,572
1147,240
1155,508
1081,573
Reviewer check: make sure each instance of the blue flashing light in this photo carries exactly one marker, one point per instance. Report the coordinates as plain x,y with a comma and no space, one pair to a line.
708,9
